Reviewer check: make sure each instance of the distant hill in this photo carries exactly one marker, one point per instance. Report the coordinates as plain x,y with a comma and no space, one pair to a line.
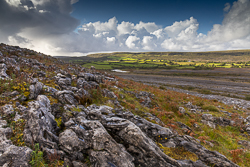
164,60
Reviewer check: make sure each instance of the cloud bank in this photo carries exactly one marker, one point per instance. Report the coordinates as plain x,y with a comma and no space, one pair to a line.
47,26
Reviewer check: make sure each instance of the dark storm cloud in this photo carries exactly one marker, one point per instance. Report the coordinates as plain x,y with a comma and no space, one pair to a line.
48,17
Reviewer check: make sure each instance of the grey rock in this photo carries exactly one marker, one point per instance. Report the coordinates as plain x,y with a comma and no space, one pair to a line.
150,129
247,119
80,83
209,123
49,89
109,94
144,150
183,126
69,141
67,162
208,117
101,109
154,118
3,69
35,90
66,97
7,110
10,94
79,164
17,117
20,98
5,133
145,98
10,154
40,126
102,148
41,74
182,110
16,156
64,82
3,123
189,163
170,143
244,143
207,156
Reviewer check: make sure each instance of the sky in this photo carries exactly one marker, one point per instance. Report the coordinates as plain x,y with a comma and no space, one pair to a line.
79,27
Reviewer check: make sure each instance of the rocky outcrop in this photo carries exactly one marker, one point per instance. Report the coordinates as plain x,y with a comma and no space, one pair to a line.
211,121
66,97
11,155
207,156
41,126
35,89
7,110
3,69
144,150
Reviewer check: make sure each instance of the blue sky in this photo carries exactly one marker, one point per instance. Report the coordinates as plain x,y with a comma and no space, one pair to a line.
79,27
162,12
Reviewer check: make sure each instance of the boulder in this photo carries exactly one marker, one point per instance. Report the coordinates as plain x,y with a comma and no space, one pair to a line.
7,110
41,126
70,142
143,149
66,97
154,131
35,90
16,156
3,69
101,147
207,156
64,82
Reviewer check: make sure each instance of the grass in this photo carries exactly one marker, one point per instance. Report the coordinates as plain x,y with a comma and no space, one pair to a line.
210,108
179,153
165,60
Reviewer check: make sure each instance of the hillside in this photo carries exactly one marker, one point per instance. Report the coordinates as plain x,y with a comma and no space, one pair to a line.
54,113
165,60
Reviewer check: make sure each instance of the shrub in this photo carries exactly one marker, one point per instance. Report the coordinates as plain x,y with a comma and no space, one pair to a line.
210,108
37,158
247,97
17,128
178,153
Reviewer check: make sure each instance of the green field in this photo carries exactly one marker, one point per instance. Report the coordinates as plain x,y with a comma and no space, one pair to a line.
165,60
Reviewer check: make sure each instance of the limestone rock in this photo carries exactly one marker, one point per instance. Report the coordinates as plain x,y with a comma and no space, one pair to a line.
209,157
144,150
66,97
7,110
40,126
16,156
35,90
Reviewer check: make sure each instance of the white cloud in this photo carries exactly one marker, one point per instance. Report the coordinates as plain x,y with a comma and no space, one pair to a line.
130,42
125,28
150,27
15,3
47,26
158,33
227,7
74,1
147,43
110,39
98,27
236,24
